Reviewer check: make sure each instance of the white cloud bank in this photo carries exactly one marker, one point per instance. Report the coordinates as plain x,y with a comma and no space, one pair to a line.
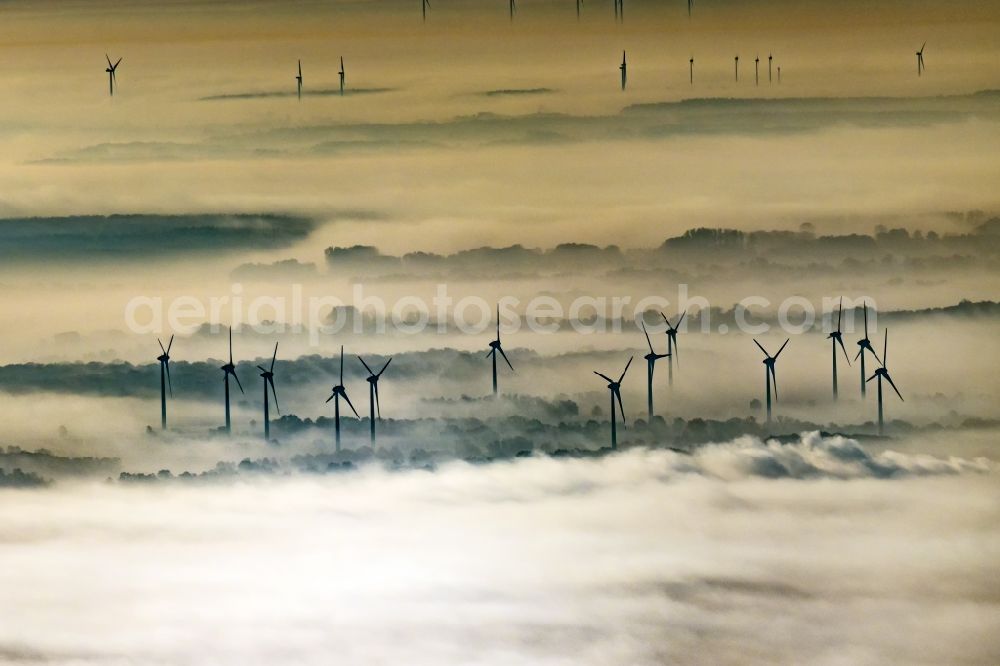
646,557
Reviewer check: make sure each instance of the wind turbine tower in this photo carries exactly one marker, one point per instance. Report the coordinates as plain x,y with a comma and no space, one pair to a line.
230,369
651,358
268,375
881,373
769,376
837,339
373,402
615,387
336,394
494,348
164,360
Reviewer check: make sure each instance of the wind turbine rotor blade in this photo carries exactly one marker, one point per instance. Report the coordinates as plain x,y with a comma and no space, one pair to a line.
648,341
625,370
261,368
161,346
498,322
774,382
384,367
274,357
621,408
378,408
170,344
871,378
117,63
505,357
860,352
230,345
366,366
341,365
782,349
683,314
599,374
108,59
350,405
893,385
885,347
841,341
238,382
491,352
270,381
866,319
665,320
840,313
332,395
170,385
762,349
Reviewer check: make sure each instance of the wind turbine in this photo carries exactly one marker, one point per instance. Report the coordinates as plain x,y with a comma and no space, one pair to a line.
513,9
880,373
494,348
624,68
769,376
298,80
836,339
111,73
756,70
341,75
373,403
672,349
691,66
164,360
651,358
737,61
920,60
337,393
770,57
268,375
424,4
616,392
579,3
779,73
690,3
230,369
865,344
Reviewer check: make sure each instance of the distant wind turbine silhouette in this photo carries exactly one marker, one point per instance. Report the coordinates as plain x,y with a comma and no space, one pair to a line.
424,4
920,60
513,9
579,3
691,65
770,58
690,3
337,393
164,360
756,70
651,358
865,344
298,80
112,81
268,375
769,376
737,61
880,373
373,402
672,351
616,393
494,348
342,75
230,369
779,73
624,68
837,339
